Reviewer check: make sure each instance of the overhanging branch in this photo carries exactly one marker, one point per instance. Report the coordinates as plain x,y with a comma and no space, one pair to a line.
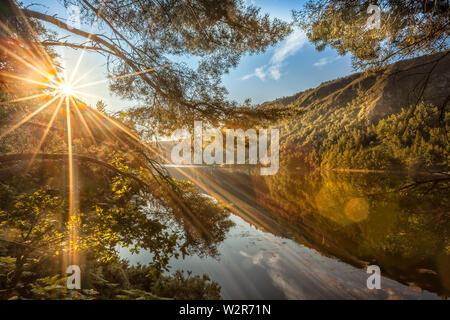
4,159
118,52
74,46
114,49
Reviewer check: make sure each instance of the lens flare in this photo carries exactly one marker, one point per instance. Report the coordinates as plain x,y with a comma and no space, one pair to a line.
66,89
52,87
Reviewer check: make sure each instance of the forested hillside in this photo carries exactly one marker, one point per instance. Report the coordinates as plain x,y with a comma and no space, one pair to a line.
391,118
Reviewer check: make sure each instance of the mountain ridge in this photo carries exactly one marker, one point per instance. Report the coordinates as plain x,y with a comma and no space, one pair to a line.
424,78
392,118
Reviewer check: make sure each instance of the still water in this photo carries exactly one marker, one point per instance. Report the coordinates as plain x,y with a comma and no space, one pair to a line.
300,235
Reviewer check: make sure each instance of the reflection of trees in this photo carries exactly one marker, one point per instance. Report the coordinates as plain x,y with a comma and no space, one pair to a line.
360,219
113,211
202,221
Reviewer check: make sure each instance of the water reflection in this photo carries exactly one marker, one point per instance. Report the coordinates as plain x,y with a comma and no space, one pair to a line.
310,235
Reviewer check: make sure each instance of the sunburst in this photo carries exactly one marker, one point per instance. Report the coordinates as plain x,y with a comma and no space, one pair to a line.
58,89
66,89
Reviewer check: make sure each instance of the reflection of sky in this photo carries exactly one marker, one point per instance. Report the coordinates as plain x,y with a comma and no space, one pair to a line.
258,265
285,69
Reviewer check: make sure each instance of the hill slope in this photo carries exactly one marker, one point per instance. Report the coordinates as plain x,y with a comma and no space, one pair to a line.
400,84
393,117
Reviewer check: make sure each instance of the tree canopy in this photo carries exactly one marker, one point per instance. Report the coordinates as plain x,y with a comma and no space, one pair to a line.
407,28
171,36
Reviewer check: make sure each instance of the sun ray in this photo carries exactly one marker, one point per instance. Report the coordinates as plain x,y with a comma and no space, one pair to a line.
120,77
27,63
73,235
24,120
8,75
119,126
47,130
81,93
77,65
69,152
134,139
96,121
24,98
36,38
63,82
108,132
83,121
84,75
63,87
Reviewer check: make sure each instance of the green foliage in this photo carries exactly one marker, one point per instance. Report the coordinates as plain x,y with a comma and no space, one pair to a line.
35,233
112,211
116,280
417,137
343,137
188,288
56,288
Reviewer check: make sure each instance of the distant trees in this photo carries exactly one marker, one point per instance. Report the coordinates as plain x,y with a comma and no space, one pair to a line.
415,138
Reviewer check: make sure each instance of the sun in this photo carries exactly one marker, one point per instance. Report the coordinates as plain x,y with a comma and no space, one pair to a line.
65,89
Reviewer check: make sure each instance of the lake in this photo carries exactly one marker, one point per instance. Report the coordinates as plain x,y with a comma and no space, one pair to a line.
311,235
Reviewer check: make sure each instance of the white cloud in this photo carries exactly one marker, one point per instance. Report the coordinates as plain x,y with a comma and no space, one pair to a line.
324,61
293,43
276,270
321,62
275,72
256,258
290,46
260,73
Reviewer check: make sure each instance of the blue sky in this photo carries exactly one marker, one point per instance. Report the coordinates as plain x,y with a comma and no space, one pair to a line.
287,68
291,66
